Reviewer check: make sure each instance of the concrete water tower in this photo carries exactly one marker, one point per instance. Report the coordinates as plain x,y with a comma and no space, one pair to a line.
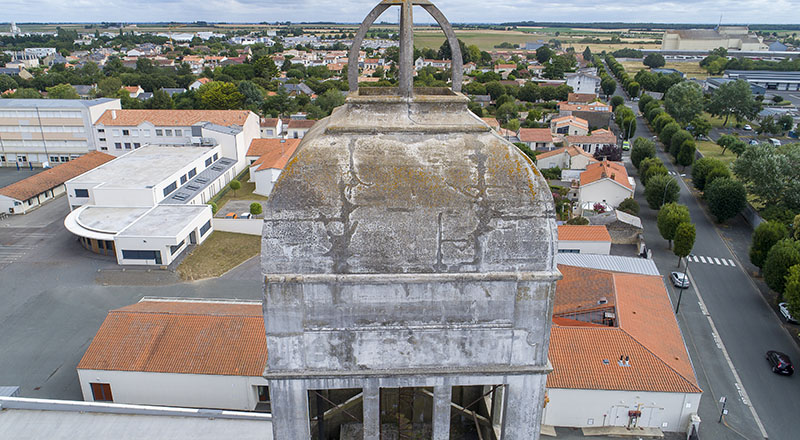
409,261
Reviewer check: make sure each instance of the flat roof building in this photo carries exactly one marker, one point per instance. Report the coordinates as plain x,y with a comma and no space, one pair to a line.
46,132
147,206
769,80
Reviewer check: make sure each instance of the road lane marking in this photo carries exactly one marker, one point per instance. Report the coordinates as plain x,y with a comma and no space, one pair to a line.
702,259
732,263
716,260
724,262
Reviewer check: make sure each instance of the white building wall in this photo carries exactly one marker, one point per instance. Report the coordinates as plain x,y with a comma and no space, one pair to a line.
559,160
582,408
162,244
265,180
168,389
7,204
239,226
604,191
586,247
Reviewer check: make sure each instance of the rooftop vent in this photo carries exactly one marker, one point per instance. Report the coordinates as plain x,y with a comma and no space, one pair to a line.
180,196
192,187
202,180
602,300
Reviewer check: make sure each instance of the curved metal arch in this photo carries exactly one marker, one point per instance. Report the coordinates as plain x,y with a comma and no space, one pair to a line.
456,64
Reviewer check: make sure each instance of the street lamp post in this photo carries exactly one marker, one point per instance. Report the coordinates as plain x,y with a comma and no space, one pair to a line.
680,291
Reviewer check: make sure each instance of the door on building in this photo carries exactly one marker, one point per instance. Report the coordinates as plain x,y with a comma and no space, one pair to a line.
193,237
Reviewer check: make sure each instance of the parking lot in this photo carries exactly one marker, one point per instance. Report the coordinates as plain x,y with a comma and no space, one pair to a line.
55,295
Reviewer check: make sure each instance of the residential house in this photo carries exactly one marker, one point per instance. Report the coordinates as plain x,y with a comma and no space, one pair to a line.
482,100
271,128
492,122
568,157
199,82
84,91
267,158
173,90
605,182
199,353
569,126
438,64
618,355
34,191
539,139
584,239
297,128
581,98
598,114
296,89
504,69
134,91
594,141
583,81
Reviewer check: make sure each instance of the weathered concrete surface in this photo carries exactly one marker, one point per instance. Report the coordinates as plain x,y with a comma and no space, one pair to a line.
407,245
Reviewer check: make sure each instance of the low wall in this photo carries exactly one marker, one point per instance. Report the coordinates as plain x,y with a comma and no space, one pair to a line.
238,226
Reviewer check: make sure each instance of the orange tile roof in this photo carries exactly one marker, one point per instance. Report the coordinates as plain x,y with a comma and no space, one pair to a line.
571,119
132,89
551,153
583,233
595,137
494,123
581,289
646,332
269,122
605,170
49,179
272,153
205,80
581,97
535,135
301,123
181,337
173,118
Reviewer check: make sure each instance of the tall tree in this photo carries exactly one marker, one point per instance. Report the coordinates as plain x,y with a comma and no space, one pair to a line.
733,98
685,235
686,153
771,174
160,100
608,85
642,149
543,54
62,91
791,293
700,127
782,256
726,198
669,217
654,60
220,95
684,101
764,237
660,189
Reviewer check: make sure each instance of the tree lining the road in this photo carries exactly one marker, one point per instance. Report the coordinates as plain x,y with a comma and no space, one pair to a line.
643,148
670,216
726,198
764,237
684,101
685,235
791,293
705,167
783,255
771,175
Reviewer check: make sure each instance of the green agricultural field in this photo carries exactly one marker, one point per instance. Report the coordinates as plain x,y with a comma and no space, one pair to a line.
690,69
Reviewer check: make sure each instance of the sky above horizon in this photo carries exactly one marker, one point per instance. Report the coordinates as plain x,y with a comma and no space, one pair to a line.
351,11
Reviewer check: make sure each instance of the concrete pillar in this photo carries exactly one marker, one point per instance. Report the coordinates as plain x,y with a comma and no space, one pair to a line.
442,396
406,74
523,407
372,410
289,401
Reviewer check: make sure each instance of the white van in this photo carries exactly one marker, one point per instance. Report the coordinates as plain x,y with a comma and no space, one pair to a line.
775,142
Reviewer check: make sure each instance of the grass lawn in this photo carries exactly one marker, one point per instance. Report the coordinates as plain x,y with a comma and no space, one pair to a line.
244,193
221,252
690,69
485,40
710,149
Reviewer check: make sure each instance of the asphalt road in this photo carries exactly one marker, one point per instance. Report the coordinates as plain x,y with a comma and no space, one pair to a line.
734,311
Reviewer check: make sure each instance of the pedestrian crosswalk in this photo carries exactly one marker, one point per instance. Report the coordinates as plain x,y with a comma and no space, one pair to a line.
711,260
674,173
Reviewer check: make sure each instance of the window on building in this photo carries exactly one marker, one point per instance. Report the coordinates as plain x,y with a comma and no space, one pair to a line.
102,139
101,130
269,132
127,145
569,251
53,158
109,245
136,145
168,132
205,228
208,161
22,158
142,255
183,179
172,187
2,158
118,145
173,249
126,132
146,133
263,393
101,392
104,148
81,193
101,244
192,172
135,133
216,156
178,133
64,158
159,132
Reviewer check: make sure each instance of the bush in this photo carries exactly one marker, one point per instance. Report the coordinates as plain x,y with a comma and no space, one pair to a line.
661,189
726,198
214,208
642,149
578,221
764,237
235,185
255,208
779,214
552,173
782,256
629,206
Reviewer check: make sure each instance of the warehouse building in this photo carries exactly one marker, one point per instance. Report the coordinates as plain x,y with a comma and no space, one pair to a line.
147,206
767,79
46,132
32,192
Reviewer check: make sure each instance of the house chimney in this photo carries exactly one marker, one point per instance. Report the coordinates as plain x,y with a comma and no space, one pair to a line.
613,175
113,114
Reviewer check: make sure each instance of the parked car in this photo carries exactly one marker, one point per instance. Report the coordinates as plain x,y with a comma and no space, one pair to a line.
679,280
245,215
780,362
231,215
753,142
626,145
775,142
747,127
783,307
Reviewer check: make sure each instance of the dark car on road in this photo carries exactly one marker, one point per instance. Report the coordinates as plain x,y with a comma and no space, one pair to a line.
781,364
